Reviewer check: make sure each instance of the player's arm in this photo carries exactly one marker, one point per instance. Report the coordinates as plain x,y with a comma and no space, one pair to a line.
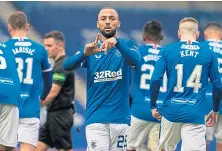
215,79
157,77
46,75
76,61
129,51
59,77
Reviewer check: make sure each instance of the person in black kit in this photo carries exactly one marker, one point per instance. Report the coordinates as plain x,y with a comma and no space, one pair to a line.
56,132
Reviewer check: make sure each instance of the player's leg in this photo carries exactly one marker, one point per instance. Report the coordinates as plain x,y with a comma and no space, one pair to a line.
153,137
169,135
218,133
44,141
98,137
137,133
219,146
118,137
60,126
6,148
28,133
43,115
193,137
209,135
9,119
41,146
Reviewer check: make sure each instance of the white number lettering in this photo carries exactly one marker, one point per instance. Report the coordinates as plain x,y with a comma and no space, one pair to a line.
145,77
178,87
220,63
192,82
3,64
28,79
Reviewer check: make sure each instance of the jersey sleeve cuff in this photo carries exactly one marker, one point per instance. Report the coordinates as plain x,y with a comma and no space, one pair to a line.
47,70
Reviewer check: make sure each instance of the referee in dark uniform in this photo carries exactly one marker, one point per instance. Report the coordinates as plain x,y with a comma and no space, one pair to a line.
56,132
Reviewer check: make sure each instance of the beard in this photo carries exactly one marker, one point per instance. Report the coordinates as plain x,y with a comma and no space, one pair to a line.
110,34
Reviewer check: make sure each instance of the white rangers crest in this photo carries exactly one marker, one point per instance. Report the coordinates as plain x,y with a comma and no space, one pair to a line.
118,53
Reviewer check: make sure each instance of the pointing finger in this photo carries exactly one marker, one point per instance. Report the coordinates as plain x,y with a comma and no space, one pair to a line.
97,38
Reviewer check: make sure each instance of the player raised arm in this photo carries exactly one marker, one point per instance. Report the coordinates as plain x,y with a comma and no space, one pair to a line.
79,59
215,79
129,49
157,76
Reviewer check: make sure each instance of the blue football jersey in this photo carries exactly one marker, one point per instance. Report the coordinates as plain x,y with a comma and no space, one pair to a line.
9,80
32,60
141,76
215,46
108,86
188,65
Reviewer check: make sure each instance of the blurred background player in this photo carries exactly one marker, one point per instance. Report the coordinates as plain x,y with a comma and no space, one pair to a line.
188,65
213,35
56,132
143,125
33,67
108,107
9,99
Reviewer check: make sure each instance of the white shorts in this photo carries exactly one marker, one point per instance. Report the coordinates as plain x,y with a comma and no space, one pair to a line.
9,119
192,135
215,131
106,137
28,131
138,132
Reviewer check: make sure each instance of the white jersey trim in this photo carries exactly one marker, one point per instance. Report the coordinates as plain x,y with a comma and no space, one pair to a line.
47,70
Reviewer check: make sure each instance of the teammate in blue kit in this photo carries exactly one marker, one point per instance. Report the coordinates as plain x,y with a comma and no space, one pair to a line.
188,65
108,78
32,66
143,125
213,36
9,99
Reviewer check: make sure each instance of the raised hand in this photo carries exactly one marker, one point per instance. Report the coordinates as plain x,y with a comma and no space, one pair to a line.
108,44
92,48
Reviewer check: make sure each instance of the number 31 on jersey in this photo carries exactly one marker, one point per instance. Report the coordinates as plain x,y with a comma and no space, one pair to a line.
29,61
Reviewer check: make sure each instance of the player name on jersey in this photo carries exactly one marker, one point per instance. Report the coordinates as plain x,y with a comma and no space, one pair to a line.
190,50
2,45
151,57
26,50
216,47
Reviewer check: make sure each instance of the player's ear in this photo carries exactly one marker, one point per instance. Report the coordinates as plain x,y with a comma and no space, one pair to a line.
221,35
27,27
179,34
118,24
97,24
9,28
197,34
61,44
144,37
205,35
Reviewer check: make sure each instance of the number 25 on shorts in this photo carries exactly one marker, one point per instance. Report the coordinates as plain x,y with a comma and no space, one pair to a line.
122,141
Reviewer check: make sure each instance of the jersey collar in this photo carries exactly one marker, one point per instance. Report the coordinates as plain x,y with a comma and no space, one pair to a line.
20,38
153,45
189,41
214,40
